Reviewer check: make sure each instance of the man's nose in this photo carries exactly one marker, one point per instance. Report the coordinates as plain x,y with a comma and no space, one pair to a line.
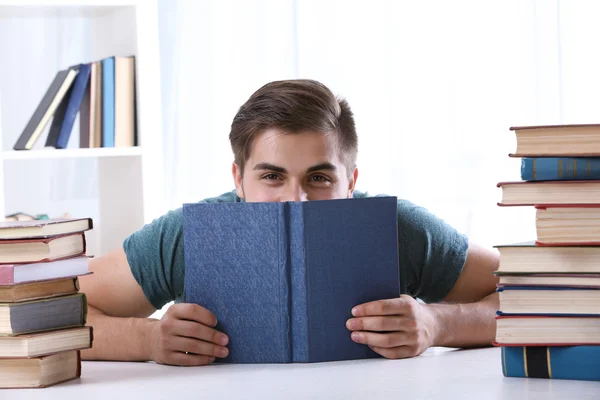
295,192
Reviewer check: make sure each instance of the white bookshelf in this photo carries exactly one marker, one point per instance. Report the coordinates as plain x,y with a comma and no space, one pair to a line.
120,188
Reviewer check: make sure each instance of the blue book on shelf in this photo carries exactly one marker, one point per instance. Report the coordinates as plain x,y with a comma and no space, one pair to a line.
553,169
108,102
282,278
552,362
72,107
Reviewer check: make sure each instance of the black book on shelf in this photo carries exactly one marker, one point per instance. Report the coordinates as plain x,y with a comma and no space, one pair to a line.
45,110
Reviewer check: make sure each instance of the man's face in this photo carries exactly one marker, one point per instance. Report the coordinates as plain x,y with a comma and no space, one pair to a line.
293,167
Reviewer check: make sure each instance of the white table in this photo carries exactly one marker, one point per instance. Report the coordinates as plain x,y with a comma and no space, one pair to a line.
436,374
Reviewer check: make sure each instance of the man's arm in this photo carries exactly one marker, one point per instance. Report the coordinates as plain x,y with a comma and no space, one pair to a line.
118,311
402,327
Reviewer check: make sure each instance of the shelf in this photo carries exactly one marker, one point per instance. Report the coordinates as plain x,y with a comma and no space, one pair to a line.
53,154
60,8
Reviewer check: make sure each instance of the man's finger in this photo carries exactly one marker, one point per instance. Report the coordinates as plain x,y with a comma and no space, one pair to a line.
197,331
382,324
187,360
396,352
387,340
398,306
193,312
197,347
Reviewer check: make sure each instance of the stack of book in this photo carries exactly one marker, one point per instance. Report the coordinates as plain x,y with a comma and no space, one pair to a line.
42,313
101,92
549,319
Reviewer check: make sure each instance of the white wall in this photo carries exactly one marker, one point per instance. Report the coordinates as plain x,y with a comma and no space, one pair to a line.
434,85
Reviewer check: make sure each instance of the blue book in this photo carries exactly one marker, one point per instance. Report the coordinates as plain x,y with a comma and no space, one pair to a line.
72,108
108,102
282,278
552,362
552,169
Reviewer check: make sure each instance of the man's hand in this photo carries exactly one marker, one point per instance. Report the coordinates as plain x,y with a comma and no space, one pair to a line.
394,328
185,336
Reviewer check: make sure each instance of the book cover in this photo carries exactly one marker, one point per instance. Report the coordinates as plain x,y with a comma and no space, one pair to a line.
46,343
43,228
43,315
531,193
282,278
48,105
15,274
563,168
561,362
557,140
77,92
23,251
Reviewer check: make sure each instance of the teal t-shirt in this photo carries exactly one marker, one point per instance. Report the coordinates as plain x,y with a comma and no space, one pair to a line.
431,253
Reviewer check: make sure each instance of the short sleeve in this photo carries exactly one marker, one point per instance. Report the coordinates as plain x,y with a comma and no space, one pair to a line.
432,253
155,256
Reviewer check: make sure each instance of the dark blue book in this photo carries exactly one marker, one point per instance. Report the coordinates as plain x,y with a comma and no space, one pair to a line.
108,102
554,169
282,278
70,111
552,362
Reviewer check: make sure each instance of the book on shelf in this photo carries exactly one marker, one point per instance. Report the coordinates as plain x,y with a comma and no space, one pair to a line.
530,193
559,168
582,140
530,330
90,113
102,93
48,105
40,372
292,269
59,138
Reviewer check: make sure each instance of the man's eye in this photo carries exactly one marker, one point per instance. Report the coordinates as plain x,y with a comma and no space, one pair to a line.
319,178
271,177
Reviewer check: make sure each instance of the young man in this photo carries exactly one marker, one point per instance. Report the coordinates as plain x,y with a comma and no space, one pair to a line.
292,141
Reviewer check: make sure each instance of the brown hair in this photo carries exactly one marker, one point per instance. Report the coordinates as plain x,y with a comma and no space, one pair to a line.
294,106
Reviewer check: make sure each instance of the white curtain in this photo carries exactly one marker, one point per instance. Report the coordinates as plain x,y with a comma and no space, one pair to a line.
434,86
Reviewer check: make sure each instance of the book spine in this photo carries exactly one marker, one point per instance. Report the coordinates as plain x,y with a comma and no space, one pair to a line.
549,169
108,102
285,292
75,99
298,276
549,362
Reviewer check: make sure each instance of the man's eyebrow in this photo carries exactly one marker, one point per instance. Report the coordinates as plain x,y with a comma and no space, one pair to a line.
269,167
326,166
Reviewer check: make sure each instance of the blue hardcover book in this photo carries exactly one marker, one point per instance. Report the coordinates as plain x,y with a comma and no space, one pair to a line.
552,362
108,102
72,107
553,169
282,278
